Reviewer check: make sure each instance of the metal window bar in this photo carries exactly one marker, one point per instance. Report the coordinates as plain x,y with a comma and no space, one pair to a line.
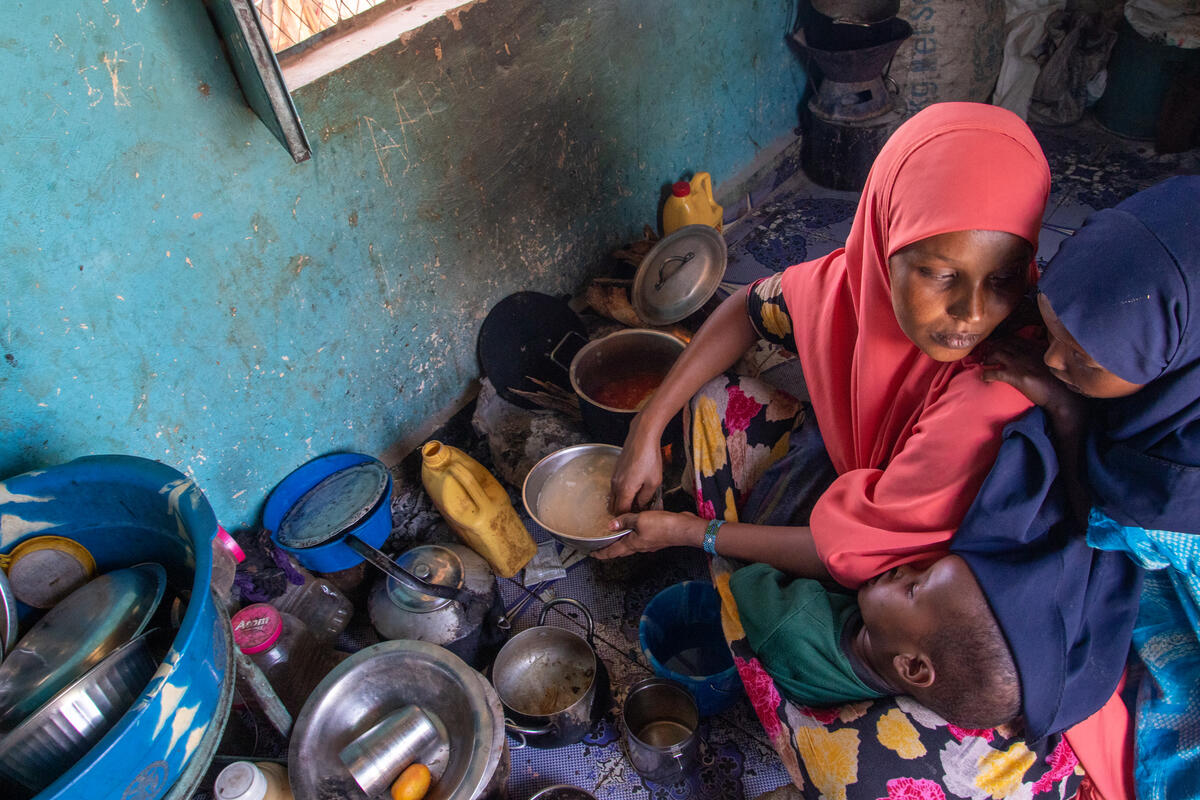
289,22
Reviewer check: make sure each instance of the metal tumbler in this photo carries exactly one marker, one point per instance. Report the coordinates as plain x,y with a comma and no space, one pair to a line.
660,718
377,757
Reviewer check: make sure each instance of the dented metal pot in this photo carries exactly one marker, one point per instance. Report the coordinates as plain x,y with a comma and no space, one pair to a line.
549,680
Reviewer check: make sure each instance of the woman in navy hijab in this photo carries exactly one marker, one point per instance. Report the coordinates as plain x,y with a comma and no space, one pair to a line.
1121,303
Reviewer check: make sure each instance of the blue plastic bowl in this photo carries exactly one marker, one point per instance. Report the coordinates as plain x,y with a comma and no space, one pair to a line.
680,635
335,554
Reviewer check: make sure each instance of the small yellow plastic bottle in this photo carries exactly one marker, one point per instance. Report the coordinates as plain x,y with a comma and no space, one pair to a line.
475,504
692,204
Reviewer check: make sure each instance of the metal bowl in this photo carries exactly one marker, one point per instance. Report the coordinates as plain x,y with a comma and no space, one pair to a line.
536,480
59,733
470,760
87,625
563,792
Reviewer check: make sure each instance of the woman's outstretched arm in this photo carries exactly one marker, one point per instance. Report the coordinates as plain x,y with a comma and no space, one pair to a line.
717,346
787,548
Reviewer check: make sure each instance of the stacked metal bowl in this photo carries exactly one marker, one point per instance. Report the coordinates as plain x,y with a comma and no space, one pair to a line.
75,673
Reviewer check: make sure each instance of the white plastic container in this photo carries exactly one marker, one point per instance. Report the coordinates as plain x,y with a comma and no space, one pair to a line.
243,780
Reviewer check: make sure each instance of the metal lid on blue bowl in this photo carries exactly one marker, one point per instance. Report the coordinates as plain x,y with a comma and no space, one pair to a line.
334,506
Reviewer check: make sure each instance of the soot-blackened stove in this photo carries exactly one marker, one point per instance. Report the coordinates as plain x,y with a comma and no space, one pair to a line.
852,113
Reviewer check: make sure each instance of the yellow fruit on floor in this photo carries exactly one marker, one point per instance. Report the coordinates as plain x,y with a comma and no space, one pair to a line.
413,783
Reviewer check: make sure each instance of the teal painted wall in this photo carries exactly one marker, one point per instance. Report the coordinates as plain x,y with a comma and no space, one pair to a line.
174,287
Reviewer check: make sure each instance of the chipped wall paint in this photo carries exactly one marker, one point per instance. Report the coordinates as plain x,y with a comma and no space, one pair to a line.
173,286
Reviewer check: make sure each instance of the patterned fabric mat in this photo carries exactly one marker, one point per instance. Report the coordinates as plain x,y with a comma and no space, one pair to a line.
736,760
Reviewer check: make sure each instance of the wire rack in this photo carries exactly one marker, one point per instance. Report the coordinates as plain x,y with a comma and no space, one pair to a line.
289,22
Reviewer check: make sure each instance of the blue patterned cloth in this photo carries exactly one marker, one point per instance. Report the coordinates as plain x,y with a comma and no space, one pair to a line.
1167,638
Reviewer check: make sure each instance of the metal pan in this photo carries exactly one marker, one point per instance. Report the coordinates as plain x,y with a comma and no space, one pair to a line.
553,685
75,635
59,733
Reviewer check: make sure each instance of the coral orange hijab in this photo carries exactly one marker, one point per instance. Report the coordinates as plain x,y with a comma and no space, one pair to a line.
911,438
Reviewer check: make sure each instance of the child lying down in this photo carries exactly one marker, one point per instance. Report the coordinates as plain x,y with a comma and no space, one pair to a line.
1020,621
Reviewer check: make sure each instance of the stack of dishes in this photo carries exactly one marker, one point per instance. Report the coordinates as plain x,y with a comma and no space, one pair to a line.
75,673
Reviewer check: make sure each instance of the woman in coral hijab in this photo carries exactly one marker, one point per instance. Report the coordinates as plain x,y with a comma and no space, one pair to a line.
940,252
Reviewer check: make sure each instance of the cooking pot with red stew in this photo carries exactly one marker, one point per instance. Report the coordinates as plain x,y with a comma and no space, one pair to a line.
616,375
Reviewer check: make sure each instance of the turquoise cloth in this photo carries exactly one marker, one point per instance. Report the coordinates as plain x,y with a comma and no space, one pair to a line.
795,627
1167,638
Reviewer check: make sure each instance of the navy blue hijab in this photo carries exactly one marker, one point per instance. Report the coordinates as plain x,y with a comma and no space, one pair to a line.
1066,610
1125,287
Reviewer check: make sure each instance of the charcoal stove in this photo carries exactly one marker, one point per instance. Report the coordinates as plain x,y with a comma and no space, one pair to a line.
851,113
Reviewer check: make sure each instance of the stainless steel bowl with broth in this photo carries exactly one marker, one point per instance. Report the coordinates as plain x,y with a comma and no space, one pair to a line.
568,492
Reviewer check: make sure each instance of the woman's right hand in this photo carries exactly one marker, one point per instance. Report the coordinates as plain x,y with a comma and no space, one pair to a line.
639,470
719,343
653,530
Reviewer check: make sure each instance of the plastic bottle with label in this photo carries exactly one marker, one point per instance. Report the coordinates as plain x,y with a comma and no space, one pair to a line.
291,658
692,204
226,555
243,780
476,506
317,603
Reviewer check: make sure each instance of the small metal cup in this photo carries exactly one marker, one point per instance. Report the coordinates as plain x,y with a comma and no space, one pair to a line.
659,719
377,757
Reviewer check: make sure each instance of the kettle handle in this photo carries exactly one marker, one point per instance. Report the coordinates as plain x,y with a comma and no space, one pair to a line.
591,628
394,570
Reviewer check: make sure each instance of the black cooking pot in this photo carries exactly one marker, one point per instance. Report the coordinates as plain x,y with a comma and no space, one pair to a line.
627,356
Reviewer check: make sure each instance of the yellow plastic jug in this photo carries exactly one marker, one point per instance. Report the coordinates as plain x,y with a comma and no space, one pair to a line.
691,204
476,506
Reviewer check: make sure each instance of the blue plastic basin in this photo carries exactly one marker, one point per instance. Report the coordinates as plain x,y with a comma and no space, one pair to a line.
124,510
680,635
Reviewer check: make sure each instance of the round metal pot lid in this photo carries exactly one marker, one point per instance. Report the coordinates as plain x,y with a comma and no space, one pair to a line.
76,634
433,564
333,506
679,275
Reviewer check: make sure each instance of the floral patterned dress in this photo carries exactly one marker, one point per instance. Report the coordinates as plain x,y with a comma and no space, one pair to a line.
755,455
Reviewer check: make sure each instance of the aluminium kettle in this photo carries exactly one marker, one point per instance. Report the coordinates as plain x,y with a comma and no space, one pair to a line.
468,619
